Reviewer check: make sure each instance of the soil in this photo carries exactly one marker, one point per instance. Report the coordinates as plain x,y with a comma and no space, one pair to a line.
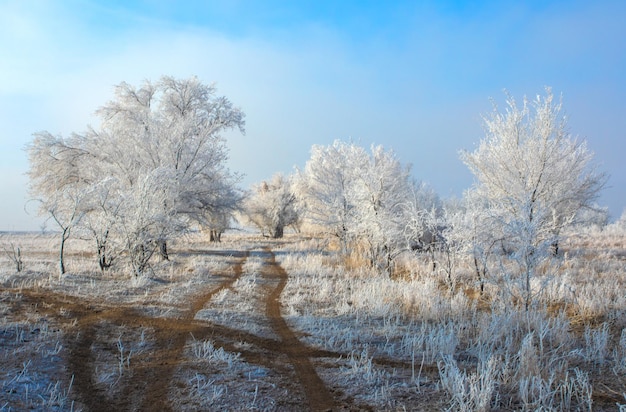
146,381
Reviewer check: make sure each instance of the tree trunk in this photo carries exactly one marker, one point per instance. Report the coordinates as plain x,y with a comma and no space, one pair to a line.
64,236
215,235
140,256
101,245
529,271
554,248
278,232
163,249
103,262
18,260
479,275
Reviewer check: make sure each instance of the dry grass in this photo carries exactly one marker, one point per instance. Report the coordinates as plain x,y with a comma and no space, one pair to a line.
413,341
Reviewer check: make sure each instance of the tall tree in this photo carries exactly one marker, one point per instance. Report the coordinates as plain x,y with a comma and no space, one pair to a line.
156,164
535,177
174,124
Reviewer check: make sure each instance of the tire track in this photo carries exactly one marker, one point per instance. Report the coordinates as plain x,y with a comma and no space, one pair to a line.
146,385
318,396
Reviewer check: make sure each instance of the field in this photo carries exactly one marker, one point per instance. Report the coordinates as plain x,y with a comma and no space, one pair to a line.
258,324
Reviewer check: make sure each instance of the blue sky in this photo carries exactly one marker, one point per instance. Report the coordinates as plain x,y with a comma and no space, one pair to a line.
414,76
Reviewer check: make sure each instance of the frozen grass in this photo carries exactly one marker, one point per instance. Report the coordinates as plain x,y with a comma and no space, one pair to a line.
117,348
206,351
243,303
215,379
31,352
392,343
469,391
489,353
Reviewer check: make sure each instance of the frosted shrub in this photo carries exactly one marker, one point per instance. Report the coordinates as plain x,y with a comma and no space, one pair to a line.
205,350
469,391
528,358
574,392
596,342
619,354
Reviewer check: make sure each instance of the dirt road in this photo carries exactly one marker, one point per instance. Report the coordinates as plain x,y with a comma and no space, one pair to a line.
152,352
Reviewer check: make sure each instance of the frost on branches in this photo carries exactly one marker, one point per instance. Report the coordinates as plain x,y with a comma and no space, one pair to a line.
156,165
534,178
365,200
272,206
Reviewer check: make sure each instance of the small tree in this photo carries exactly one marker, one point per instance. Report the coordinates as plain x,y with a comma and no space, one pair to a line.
423,221
469,230
57,182
382,188
104,206
535,178
216,224
360,197
14,253
327,186
272,206
66,210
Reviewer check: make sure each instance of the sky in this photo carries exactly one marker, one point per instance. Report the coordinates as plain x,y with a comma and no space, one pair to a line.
413,76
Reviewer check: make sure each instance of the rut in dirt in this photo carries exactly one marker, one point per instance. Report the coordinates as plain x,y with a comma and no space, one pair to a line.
148,382
145,386
318,396
149,378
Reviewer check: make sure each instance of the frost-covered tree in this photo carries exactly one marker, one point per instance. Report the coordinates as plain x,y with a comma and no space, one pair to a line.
145,222
423,212
217,223
383,186
104,207
272,206
592,217
14,253
155,165
425,224
327,186
174,125
360,197
535,178
469,232
57,182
